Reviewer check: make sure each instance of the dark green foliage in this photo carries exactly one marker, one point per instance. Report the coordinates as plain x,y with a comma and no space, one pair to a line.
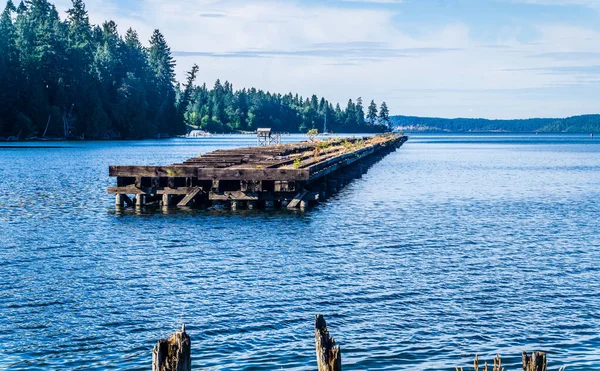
384,114
575,124
372,113
70,79
224,110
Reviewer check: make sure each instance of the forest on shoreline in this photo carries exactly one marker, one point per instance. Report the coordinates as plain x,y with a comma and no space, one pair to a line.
71,79
574,124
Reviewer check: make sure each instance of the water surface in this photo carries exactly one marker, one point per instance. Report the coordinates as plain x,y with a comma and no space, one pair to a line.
450,246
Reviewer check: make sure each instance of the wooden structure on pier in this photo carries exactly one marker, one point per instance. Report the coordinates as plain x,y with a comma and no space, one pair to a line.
291,175
267,137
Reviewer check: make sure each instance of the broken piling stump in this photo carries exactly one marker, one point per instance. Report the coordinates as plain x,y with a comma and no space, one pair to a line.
535,362
173,354
329,357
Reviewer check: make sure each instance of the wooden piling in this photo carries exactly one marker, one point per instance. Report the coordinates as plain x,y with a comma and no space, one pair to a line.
173,354
166,200
139,200
329,357
119,201
535,362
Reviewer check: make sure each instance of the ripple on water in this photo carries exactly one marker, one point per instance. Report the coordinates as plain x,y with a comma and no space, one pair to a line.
452,246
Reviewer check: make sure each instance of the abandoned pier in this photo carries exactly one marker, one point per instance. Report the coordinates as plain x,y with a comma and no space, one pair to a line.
293,176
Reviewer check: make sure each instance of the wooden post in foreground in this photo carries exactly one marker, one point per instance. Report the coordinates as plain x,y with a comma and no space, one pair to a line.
173,354
329,357
535,362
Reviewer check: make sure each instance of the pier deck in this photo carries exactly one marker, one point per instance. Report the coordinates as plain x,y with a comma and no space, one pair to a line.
290,175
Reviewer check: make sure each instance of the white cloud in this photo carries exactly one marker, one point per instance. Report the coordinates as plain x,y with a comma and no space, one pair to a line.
587,3
375,1
346,52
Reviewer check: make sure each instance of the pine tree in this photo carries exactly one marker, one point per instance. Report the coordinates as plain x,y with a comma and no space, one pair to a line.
71,78
8,68
360,113
188,90
372,113
384,114
162,97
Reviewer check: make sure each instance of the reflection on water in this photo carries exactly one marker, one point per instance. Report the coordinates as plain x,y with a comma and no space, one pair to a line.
452,245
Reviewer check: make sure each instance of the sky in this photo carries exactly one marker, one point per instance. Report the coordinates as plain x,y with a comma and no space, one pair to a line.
442,58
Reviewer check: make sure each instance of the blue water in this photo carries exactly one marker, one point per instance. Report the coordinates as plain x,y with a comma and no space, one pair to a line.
451,246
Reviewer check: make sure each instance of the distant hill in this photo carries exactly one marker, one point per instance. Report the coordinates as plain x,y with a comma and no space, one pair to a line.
575,124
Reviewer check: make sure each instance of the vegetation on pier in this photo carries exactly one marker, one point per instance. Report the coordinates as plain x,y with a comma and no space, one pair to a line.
69,78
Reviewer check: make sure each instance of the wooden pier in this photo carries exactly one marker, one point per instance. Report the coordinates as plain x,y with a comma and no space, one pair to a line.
289,176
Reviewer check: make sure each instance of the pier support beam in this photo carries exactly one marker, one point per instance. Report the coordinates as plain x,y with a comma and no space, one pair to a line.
140,200
236,205
167,200
252,205
119,200
269,205
332,186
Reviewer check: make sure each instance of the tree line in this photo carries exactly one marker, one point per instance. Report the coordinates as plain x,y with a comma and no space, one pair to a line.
71,79
574,124
221,109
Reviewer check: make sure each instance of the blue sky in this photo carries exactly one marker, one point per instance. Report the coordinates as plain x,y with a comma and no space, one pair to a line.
448,58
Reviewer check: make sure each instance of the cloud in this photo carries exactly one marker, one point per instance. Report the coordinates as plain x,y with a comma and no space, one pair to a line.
422,61
375,1
562,56
212,15
349,51
590,70
586,3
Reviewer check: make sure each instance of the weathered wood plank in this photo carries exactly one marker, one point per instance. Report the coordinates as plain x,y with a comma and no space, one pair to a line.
153,171
254,174
250,196
133,190
346,161
294,203
187,200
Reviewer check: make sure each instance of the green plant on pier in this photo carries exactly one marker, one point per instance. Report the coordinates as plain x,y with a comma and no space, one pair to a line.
312,134
297,163
173,172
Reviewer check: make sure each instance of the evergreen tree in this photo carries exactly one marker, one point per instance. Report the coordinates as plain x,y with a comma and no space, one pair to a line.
384,114
69,78
360,113
162,97
372,113
9,74
189,88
